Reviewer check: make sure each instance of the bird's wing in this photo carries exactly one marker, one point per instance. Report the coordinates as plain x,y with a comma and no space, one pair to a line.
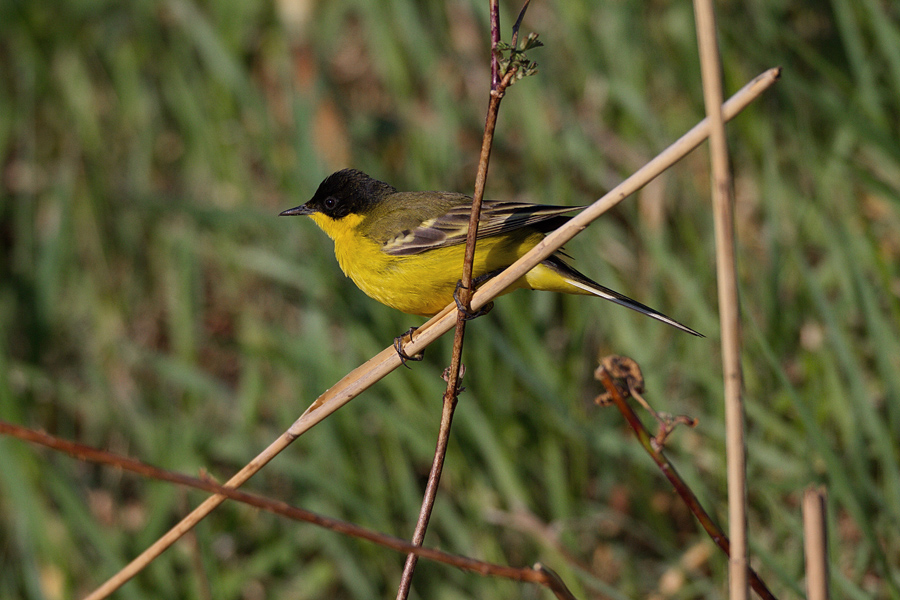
451,226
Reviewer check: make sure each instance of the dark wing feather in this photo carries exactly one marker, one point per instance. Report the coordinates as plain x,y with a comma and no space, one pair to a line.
497,218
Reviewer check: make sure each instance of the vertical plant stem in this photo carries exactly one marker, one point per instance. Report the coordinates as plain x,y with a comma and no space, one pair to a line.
495,39
729,304
815,542
434,478
454,373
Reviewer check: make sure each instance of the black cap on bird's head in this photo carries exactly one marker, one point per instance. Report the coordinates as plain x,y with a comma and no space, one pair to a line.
344,192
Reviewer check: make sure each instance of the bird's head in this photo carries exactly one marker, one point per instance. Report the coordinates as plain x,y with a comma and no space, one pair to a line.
346,192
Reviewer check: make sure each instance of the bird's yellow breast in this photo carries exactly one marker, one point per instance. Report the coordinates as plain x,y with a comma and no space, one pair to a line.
419,284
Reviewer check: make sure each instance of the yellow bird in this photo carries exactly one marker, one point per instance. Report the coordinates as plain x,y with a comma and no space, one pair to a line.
405,249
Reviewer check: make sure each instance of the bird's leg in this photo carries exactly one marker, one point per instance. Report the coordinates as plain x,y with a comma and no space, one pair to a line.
398,346
469,314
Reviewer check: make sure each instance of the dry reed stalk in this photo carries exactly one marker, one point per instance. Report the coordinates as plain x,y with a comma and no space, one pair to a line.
729,301
815,543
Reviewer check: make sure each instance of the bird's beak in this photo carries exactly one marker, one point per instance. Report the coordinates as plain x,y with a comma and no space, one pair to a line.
299,210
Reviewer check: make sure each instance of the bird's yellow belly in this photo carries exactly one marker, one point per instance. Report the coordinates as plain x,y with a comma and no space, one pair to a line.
423,284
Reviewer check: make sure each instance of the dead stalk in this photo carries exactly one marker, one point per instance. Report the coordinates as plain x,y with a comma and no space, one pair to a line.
815,542
729,301
668,469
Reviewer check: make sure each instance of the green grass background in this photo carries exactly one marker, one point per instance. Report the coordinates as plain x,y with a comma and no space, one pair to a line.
151,303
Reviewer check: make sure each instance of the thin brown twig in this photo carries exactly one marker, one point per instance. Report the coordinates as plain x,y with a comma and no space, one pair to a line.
451,395
536,574
495,39
656,453
434,478
729,300
380,365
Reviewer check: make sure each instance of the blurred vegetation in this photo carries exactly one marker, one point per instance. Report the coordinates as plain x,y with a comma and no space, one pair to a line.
151,302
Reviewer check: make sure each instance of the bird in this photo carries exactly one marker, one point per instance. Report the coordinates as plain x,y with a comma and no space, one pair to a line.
405,249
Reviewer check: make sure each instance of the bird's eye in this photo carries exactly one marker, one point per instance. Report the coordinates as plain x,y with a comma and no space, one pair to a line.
330,203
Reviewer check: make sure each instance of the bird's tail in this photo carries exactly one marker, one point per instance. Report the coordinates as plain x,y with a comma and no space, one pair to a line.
575,278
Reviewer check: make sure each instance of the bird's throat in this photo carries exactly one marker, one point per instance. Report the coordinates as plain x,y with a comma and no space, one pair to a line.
337,228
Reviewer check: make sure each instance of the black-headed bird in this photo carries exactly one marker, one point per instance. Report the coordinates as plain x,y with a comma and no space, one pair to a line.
405,249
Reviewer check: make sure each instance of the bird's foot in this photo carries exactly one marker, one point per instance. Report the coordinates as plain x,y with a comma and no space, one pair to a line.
398,346
469,314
